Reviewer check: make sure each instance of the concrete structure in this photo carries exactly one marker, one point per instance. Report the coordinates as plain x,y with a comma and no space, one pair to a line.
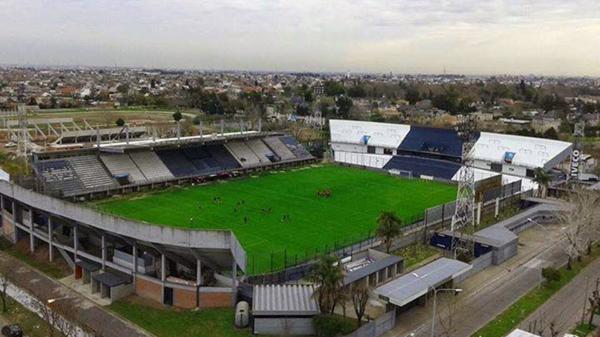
174,263
284,309
371,268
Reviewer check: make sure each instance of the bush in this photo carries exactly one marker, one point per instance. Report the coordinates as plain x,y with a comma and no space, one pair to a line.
551,274
332,325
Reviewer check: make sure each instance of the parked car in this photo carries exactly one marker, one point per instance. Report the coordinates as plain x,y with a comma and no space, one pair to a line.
12,330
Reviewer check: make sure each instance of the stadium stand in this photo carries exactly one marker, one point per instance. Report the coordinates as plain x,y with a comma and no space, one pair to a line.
59,177
443,142
243,154
151,166
275,144
202,160
121,164
525,151
423,166
261,150
177,163
298,150
91,172
223,157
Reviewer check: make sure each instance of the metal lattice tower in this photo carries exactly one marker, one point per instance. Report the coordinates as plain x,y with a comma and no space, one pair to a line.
23,134
464,218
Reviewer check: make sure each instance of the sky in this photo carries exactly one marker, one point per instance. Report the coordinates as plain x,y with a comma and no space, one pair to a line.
545,37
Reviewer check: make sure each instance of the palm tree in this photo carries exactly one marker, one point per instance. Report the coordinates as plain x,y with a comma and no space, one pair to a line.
542,178
327,274
389,228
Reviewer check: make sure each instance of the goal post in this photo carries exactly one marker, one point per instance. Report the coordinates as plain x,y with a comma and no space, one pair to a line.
401,173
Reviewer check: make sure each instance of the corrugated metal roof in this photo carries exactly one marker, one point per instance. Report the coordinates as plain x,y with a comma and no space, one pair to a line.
411,286
284,300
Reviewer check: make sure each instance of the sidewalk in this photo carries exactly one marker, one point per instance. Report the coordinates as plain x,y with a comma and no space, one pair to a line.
491,291
82,310
565,308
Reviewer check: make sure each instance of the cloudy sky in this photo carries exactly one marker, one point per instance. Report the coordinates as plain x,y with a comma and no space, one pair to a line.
553,37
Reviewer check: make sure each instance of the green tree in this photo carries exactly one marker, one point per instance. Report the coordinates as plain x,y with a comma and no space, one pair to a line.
120,122
389,228
360,296
542,178
344,104
412,95
550,134
328,276
177,116
334,88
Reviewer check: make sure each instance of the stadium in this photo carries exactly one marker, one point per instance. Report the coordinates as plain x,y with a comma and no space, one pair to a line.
187,221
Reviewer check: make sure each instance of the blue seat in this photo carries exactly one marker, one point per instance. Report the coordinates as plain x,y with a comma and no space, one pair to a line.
424,166
444,142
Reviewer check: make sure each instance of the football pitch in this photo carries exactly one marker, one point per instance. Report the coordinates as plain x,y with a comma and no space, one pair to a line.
279,216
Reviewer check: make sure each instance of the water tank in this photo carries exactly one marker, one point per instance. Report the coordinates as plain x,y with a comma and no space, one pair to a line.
242,314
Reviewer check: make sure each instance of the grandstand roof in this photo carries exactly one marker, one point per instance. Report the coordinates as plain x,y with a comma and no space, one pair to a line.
377,134
411,286
528,151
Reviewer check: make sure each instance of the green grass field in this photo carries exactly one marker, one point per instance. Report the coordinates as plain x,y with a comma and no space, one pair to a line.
279,216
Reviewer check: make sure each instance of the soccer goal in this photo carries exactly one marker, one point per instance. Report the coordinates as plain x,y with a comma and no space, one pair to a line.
401,173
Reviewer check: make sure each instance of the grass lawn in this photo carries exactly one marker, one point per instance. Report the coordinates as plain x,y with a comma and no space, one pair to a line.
32,324
415,253
280,213
516,313
168,322
582,330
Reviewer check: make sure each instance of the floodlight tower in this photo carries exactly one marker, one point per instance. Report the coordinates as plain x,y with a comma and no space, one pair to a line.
578,134
463,218
23,133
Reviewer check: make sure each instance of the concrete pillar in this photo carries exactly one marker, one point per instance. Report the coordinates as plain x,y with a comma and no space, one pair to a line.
103,247
497,210
50,244
31,236
222,127
200,126
163,267
75,243
234,283
479,205
135,263
198,272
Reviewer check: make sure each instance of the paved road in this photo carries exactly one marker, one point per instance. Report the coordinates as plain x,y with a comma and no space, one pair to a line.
489,292
72,305
565,308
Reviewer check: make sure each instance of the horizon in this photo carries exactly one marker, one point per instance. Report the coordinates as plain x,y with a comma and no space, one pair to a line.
496,38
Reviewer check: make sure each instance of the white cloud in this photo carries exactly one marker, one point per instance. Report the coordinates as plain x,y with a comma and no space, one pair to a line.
510,36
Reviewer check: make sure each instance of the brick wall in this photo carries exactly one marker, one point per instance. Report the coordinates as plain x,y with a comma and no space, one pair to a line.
215,299
149,290
185,299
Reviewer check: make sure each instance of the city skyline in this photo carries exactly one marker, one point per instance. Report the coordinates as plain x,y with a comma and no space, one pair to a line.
466,37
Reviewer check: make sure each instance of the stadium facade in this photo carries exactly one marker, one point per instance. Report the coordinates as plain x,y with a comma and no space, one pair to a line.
433,153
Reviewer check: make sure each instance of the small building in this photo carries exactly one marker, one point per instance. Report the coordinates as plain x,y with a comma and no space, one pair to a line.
416,285
371,268
284,309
